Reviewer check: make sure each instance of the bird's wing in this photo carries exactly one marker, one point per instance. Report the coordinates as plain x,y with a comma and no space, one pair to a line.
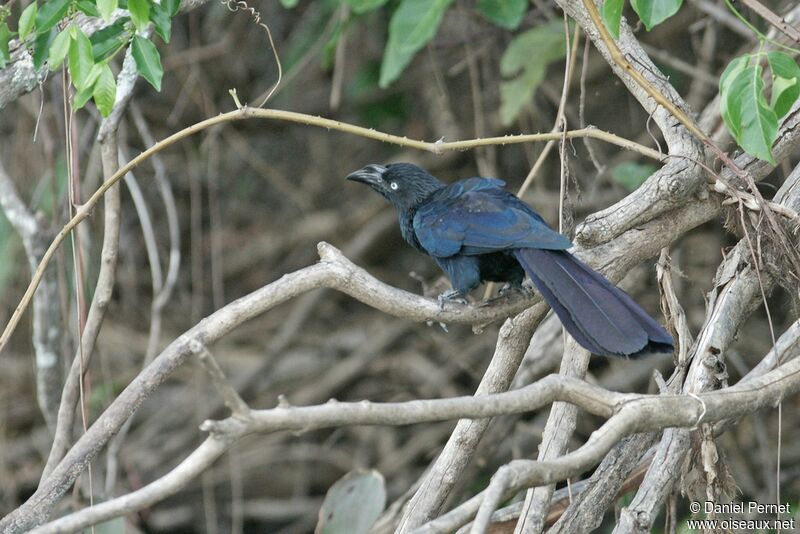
477,216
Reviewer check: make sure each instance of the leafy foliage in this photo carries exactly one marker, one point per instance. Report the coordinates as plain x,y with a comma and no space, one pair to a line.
505,13
412,26
81,59
651,12
528,69
363,6
26,21
106,8
631,174
654,12
749,116
50,13
148,62
5,36
785,82
48,31
612,15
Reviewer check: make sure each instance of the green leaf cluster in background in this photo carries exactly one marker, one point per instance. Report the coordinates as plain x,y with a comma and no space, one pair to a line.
360,7
751,118
505,13
631,175
654,12
46,28
525,61
413,24
651,12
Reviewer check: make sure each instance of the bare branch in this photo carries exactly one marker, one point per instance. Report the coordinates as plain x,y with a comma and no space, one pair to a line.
629,413
557,432
735,296
232,399
107,137
47,330
645,413
680,178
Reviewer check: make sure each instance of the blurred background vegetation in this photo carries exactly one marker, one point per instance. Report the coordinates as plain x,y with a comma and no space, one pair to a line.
253,198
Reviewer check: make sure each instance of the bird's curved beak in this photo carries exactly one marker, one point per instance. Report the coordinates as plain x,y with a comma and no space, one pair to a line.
372,175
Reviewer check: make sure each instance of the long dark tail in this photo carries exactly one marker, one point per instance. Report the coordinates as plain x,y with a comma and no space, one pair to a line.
597,314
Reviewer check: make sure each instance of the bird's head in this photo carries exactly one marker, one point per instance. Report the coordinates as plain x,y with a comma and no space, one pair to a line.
403,184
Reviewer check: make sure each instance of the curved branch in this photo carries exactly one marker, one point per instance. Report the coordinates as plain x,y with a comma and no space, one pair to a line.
641,414
628,413
680,178
735,295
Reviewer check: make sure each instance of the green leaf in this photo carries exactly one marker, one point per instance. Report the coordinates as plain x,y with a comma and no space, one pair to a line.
413,24
172,6
140,13
731,71
108,40
5,37
105,91
515,94
731,115
81,97
654,12
353,503
785,82
360,7
162,22
612,15
81,59
107,8
543,44
88,8
60,48
27,20
748,116
94,73
631,175
51,12
329,50
505,13
289,4
528,55
41,47
148,62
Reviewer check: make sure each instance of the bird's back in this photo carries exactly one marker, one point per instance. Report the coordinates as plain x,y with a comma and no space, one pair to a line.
477,216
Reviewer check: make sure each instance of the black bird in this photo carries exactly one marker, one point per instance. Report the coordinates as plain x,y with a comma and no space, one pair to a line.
477,231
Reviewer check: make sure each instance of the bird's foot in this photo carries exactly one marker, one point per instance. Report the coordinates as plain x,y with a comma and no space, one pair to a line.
453,295
511,289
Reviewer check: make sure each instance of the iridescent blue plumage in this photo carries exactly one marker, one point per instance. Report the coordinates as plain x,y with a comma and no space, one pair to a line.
476,216
477,231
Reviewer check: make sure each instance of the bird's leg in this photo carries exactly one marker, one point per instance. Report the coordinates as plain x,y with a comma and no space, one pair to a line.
454,295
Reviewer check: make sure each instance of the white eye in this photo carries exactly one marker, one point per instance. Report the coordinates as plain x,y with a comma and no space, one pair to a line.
393,186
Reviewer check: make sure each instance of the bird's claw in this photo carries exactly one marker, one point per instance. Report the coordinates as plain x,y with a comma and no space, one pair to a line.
510,289
451,296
